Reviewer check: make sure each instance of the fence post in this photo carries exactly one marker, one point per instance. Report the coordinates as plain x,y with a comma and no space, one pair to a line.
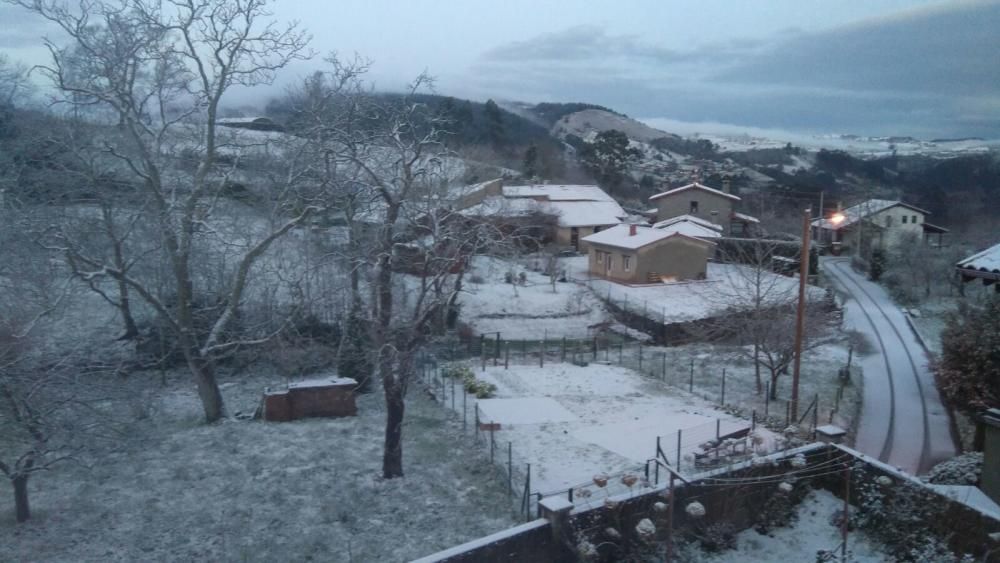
563,356
595,347
664,374
723,401
678,449
525,502
815,415
767,398
483,354
492,441
541,355
718,427
496,355
510,467
506,355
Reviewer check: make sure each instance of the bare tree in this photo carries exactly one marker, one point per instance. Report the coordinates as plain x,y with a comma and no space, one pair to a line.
389,172
760,308
161,71
52,406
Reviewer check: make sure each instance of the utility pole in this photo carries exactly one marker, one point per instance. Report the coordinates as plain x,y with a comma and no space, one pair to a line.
674,474
800,314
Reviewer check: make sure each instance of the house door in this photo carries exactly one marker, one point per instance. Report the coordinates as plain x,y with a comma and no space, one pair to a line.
574,237
607,264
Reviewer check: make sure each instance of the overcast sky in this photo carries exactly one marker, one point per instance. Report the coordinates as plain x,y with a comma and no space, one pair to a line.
923,68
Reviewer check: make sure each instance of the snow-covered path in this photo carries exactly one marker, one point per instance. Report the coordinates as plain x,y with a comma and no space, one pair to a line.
902,421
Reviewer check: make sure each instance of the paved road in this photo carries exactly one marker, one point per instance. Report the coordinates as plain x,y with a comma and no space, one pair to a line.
903,422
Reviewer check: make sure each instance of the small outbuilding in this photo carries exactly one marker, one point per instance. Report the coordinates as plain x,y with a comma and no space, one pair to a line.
635,254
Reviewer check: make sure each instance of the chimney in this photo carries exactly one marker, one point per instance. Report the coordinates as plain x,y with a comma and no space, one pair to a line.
631,230
725,185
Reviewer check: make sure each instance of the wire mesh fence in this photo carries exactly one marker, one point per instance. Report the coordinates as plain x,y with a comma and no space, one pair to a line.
689,450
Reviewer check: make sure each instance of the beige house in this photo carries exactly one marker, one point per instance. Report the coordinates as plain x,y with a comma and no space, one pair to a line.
702,202
636,255
885,223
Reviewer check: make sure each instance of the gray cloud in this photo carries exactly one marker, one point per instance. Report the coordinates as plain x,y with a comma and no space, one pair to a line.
953,51
931,72
20,28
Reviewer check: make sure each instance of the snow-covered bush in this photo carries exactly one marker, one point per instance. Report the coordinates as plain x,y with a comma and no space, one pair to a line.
646,530
899,516
961,470
695,509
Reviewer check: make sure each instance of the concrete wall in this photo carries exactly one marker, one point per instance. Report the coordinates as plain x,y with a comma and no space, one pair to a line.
680,204
991,463
677,257
964,528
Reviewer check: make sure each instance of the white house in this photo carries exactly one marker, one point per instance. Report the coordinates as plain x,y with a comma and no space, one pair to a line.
886,222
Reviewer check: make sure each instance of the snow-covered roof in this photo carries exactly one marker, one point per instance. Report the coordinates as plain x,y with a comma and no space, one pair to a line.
855,213
569,213
691,229
745,218
694,186
620,236
558,192
586,213
985,261
690,218
243,120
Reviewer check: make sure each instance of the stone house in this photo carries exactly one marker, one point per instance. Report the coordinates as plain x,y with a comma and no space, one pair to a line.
636,254
703,202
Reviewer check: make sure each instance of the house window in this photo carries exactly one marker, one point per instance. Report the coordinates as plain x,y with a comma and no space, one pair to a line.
626,262
694,208
904,219
913,219
888,220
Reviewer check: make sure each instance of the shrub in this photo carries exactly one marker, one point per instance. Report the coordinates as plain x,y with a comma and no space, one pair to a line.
473,386
355,354
877,266
961,470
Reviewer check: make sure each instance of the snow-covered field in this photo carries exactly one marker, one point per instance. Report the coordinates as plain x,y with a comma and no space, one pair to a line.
180,490
819,376
726,286
530,311
571,422
812,531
